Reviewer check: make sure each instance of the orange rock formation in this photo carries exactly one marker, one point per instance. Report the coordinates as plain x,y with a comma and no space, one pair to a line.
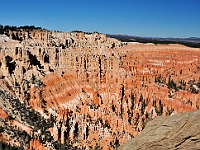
101,91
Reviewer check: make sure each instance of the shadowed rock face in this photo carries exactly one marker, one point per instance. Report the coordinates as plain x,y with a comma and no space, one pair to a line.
180,131
90,91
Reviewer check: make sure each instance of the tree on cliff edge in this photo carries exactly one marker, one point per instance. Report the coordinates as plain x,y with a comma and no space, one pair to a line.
1,29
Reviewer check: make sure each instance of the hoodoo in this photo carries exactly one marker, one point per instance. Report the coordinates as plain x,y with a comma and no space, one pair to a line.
79,90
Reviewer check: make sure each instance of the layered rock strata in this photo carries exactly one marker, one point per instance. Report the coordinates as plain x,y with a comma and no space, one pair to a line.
100,91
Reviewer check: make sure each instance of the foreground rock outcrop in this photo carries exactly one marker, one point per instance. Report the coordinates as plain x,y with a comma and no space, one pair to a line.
88,91
180,131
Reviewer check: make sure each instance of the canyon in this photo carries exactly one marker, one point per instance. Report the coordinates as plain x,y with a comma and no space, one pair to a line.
77,90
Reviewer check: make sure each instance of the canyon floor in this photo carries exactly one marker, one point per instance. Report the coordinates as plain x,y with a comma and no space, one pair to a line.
87,91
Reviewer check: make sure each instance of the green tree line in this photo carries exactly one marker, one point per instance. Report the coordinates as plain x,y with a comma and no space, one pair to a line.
13,28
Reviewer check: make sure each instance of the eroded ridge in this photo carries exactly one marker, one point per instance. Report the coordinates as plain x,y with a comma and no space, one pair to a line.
92,92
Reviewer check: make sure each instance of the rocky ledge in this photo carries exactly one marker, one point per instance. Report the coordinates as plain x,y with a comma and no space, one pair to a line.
180,131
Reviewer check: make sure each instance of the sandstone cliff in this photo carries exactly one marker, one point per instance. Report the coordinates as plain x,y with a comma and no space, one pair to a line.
90,91
180,131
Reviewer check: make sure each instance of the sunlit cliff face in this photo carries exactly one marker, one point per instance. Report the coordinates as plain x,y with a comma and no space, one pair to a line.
91,91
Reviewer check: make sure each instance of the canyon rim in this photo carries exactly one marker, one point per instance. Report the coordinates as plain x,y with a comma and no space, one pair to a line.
76,90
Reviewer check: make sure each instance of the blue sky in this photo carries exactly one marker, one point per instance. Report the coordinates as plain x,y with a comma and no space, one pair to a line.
150,18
